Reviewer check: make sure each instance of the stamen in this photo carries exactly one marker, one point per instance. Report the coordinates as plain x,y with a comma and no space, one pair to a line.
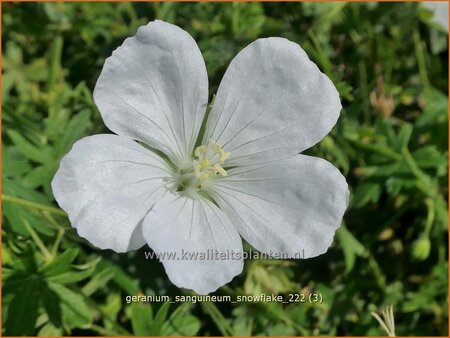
197,169
204,163
201,151
224,156
220,170
208,162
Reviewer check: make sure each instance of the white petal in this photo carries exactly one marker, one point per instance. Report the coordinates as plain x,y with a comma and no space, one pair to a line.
272,99
154,88
291,207
184,225
106,184
440,12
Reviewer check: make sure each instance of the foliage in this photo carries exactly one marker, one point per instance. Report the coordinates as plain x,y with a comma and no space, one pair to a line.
389,63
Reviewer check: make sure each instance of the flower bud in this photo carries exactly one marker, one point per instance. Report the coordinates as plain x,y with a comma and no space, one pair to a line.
421,248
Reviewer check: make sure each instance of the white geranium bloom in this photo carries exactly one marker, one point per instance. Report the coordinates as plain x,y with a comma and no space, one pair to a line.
245,179
440,12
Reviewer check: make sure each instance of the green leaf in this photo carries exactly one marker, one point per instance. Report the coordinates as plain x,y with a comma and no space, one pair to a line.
218,318
23,310
180,323
29,150
14,280
52,306
350,246
14,218
49,330
15,188
366,192
404,135
141,318
13,163
17,215
60,264
39,176
89,264
76,312
75,129
394,185
111,308
99,280
183,326
158,322
384,170
72,276
126,283
435,110
429,157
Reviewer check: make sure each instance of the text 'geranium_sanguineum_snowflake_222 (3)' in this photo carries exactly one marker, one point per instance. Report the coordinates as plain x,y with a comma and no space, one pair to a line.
165,180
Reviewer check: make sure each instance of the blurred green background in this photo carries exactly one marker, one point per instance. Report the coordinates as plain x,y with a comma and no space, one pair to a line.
389,63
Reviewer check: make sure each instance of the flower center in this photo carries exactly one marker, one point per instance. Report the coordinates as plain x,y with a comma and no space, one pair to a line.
207,163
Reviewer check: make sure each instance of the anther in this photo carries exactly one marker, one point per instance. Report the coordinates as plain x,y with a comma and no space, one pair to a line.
209,161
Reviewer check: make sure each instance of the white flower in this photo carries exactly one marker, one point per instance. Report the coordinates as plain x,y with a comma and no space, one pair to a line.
245,179
440,12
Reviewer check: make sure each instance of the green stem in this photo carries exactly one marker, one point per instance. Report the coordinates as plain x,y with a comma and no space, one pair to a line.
157,9
58,239
32,205
270,311
48,256
217,318
430,216
55,62
376,149
106,332
235,18
420,58
119,328
365,91
425,185
322,57
377,272
48,216
413,165
281,317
